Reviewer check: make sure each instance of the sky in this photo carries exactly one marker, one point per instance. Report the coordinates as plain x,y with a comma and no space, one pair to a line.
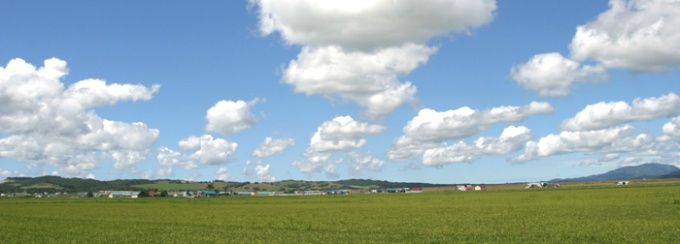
440,91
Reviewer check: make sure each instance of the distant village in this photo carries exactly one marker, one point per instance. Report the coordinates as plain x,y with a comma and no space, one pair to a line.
208,193
211,193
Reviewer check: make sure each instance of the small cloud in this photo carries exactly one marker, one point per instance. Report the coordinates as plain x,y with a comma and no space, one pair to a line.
228,117
551,74
273,146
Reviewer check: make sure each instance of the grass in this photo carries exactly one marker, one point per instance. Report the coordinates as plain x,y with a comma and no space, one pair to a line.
633,214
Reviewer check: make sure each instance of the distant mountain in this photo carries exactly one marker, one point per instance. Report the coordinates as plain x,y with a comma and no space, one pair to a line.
649,171
674,174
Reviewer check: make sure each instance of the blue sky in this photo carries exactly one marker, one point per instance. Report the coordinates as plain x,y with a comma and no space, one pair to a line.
428,91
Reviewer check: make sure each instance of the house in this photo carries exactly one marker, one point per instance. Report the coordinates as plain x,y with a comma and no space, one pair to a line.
415,189
461,188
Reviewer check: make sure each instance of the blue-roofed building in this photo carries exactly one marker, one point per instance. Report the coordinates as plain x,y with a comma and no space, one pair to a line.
209,193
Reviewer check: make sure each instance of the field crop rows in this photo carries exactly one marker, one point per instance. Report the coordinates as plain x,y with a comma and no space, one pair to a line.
634,214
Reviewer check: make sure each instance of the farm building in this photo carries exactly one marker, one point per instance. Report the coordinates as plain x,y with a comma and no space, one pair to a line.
123,194
266,193
536,185
622,183
466,187
336,191
244,193
415,189
208,193
395,190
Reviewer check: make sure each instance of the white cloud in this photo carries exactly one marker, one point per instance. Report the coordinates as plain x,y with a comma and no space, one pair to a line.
356,50
43,122
512,139
367,161
7,173
273,146
366,25
312,163
672,128
223,174
207,150
147,175
127,159
341,134
602,115
639,36
609,157
551,74
264,173
634,35
228,117
261,171
93,92
574,141
331,169
171,159
368,79
430,129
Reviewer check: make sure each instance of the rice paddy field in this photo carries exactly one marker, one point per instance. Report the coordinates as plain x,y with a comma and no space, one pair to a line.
602,214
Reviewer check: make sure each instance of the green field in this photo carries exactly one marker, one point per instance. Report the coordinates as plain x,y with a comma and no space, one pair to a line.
632,214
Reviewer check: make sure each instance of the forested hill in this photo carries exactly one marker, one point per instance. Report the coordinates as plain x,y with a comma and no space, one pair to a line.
56,183
59,184
648,171
385,184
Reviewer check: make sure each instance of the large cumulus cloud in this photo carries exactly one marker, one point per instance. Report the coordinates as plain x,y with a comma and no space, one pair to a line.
42,121
635,35
356,50
604,114
431,129
597,130
639,36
